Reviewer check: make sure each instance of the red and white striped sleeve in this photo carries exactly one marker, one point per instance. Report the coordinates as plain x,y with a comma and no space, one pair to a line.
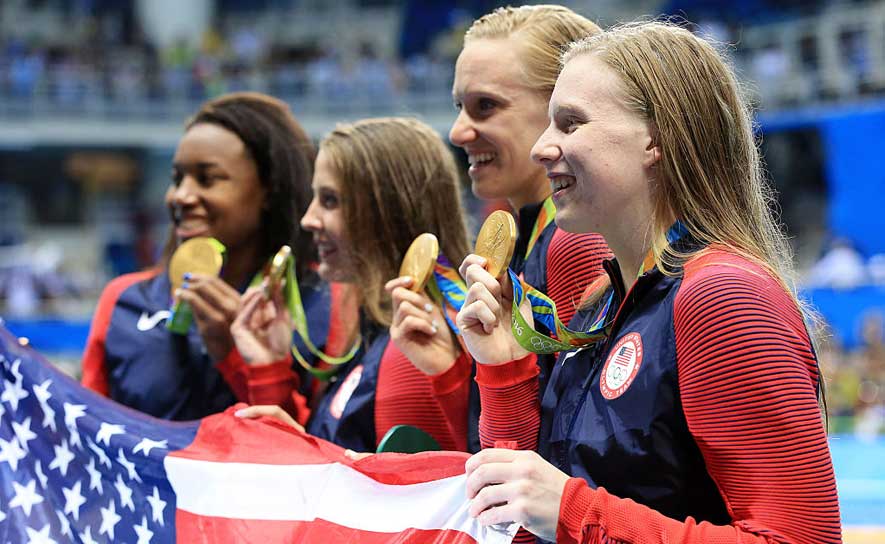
748,381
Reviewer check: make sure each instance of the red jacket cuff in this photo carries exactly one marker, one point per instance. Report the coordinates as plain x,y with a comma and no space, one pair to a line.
508,374
233,362
453,378
574,508
274,372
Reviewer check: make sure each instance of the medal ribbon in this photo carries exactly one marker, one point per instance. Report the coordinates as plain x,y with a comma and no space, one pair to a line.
292,295
545,217
447,288
544,311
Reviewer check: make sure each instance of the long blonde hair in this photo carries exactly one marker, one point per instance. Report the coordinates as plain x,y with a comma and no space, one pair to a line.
398,180
543,32
710,175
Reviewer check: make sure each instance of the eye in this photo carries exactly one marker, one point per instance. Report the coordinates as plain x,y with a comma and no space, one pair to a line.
457,104
176,177
486,105
328,200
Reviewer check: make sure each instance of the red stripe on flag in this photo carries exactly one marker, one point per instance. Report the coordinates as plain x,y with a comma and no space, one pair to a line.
225,439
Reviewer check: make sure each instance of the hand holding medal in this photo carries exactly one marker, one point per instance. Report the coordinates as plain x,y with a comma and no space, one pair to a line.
426,286
195,256
419,261
495,243
484,320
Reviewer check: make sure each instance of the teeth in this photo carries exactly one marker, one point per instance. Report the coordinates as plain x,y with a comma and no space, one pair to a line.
190,224
560,182
480,158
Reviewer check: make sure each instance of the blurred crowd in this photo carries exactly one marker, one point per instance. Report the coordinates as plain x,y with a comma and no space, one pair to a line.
855,381
110,62
109,66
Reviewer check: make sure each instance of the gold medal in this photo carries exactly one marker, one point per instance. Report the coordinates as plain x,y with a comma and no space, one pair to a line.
277,270
201,255
496,241
419,260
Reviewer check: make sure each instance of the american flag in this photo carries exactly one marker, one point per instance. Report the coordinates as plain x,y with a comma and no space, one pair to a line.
623,356
76,467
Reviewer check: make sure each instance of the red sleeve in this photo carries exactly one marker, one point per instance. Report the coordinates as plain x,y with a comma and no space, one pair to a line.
275,384
93,366
511,408
406,396
573,262
748,381
451,389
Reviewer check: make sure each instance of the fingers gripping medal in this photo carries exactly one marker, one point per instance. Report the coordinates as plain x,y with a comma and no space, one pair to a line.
431,271
419,260
276,271
201,255
280,273
496,241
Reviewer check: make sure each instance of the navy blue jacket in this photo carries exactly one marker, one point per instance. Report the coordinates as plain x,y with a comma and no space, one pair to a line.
346,413
636,445
166,375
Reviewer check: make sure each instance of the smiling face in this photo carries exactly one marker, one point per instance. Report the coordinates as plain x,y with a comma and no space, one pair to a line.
499,118
325,219
599,155
215,189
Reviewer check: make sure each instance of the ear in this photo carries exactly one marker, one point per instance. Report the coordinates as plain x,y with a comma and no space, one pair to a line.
653,148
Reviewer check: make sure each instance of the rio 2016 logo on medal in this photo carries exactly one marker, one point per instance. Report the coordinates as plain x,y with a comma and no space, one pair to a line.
621,366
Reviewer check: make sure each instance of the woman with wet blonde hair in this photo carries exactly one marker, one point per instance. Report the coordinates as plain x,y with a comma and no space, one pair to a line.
503,80
378,184
696,419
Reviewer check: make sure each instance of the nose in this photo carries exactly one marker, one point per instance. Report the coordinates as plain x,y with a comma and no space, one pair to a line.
185,193
462,131
310,221
545,149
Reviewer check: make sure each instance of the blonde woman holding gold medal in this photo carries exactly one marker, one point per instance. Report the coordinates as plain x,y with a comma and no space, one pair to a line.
378,185
240,181
503,80
694,417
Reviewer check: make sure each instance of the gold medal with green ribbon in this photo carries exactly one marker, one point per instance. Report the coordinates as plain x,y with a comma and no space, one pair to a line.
201,255
494,242
282,269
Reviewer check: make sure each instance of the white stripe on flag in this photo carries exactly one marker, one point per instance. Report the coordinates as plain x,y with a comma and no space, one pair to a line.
333,492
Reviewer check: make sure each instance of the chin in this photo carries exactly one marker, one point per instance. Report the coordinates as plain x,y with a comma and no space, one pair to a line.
329,272
488,189
568,223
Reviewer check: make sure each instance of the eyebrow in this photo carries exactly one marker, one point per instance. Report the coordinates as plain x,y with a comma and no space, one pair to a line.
566,109
201,165
483,93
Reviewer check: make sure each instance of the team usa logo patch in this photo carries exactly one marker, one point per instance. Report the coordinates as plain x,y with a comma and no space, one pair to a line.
621,366
339,401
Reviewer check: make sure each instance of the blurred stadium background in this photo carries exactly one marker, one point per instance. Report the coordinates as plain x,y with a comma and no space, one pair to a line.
93,95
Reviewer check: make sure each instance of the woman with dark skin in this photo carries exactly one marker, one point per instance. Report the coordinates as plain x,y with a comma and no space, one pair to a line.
241,174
